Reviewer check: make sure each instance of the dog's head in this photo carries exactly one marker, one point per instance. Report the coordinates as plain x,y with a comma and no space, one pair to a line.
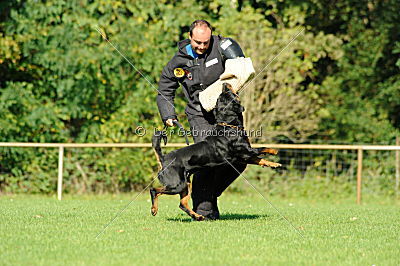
228,108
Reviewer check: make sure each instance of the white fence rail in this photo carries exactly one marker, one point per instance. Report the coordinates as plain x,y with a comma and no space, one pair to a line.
358,148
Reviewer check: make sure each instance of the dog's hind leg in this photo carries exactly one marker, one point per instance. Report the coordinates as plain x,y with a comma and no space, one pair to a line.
184,204
263,162
154,193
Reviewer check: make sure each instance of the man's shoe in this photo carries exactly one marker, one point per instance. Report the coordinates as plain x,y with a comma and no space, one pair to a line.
210,217
209,211
213,216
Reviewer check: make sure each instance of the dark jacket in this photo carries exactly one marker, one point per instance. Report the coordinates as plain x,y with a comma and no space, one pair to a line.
194,74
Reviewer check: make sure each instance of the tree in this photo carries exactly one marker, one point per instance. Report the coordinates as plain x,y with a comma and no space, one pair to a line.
64,83
283,100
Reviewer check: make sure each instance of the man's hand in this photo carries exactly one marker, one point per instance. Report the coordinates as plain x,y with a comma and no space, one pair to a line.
170,122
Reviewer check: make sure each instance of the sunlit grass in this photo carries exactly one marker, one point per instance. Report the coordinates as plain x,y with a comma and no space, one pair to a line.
42,230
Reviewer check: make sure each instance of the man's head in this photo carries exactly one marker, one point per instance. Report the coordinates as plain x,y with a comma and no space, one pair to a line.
200,36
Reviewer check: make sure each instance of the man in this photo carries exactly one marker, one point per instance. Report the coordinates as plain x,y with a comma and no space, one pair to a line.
199,62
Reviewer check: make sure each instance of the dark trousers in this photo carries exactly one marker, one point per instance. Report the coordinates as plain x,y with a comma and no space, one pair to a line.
208,184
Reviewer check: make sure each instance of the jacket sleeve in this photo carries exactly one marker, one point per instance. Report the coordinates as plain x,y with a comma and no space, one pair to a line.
166,93
230,49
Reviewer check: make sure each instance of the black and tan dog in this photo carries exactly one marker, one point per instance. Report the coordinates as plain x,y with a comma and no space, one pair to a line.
228,143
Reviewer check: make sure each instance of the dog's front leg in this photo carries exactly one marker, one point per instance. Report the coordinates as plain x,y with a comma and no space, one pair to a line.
263,162
184,204
264,150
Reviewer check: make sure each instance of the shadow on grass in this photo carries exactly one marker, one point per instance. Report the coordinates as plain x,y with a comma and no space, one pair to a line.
223,217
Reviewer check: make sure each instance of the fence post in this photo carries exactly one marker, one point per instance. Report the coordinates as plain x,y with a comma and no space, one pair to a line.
359,174
397,167
60,171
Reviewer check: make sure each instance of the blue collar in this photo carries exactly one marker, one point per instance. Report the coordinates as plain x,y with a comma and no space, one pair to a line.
190,51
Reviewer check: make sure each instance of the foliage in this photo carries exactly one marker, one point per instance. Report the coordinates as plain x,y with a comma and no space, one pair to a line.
359,89
60,81
284,98
63,83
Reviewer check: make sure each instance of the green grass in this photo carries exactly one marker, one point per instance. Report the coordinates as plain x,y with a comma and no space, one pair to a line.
42,230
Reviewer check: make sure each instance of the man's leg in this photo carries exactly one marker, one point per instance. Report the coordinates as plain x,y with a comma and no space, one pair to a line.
203,185
203,194
225,175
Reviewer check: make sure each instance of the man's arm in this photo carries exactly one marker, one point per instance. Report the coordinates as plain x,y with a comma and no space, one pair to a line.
166,94
230,49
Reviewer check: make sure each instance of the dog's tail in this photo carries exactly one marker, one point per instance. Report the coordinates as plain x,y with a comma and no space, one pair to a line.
156,143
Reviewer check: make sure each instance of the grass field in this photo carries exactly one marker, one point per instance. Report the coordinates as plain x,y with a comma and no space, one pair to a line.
41,230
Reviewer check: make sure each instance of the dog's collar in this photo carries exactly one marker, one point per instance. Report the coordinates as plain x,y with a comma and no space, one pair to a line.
232,126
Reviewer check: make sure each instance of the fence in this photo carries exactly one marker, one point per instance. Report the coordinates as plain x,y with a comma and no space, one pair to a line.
291,150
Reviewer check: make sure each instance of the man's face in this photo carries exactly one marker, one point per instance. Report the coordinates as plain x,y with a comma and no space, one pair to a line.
200,39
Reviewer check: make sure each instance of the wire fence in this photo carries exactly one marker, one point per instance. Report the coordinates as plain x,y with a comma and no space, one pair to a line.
372,171
327,163
364,167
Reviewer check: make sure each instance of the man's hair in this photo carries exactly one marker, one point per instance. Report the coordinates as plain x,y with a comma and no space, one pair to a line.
197,23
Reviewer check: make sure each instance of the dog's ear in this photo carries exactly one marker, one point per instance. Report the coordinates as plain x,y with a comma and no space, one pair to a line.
164,137
226,87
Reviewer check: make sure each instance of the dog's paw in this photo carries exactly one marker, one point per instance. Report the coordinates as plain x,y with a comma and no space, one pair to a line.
275,165
264,163
200,218
154,211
